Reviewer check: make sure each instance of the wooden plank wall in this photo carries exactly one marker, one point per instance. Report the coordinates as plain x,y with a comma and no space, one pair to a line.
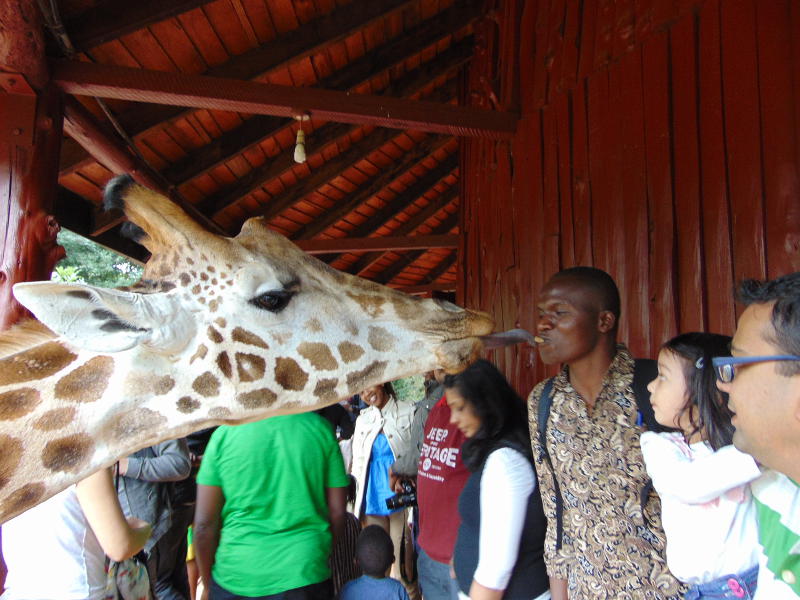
658,140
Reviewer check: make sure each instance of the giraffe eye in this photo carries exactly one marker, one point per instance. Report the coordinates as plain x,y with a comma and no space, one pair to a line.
274,301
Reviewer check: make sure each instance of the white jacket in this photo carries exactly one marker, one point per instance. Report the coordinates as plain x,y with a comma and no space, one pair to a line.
395,422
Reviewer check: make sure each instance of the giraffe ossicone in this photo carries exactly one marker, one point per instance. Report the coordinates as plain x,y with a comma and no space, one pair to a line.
219,330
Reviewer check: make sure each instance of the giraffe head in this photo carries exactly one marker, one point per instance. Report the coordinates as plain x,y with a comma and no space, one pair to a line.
219,330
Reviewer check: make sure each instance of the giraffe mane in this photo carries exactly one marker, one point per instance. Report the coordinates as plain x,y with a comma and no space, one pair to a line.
22,336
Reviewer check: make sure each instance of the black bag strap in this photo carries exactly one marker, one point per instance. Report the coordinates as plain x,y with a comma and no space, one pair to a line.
644,371
543,415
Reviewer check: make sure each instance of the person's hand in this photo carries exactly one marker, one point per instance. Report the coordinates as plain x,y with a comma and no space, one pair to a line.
139,525
122,466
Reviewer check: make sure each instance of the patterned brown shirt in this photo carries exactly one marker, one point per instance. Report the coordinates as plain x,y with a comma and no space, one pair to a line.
607,551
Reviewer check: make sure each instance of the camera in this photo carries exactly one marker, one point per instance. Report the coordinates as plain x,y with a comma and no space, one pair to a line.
408,497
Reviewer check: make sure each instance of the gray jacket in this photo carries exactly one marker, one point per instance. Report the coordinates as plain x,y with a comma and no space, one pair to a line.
144,491
407,464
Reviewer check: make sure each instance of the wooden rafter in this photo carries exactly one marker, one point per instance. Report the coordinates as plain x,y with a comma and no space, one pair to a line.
139,85
414,191
384,244
258,128
293,45
110,20
341,209
401,263
442,268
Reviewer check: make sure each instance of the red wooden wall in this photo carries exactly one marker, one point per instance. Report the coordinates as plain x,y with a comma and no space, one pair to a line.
658,140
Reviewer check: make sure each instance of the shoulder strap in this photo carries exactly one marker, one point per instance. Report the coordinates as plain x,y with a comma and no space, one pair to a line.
542,416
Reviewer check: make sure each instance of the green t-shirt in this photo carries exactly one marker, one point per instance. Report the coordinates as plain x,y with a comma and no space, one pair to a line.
275,530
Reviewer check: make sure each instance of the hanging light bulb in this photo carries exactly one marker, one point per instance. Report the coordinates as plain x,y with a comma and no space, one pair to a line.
300,147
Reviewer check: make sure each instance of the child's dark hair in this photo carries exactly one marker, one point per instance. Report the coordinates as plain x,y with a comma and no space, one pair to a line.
503,414
374,551
707,406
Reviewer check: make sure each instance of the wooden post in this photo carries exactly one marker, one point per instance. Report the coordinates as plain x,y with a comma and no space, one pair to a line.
30,141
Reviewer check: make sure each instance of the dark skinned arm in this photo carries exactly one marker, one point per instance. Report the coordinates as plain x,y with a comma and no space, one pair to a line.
207,525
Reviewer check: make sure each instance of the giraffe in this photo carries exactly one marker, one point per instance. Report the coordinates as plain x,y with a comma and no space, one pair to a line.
218,331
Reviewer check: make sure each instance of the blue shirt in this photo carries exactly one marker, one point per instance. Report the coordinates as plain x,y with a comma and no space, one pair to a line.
378,490
369,588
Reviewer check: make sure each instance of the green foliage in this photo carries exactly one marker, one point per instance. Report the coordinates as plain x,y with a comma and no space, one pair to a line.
410,389
88,262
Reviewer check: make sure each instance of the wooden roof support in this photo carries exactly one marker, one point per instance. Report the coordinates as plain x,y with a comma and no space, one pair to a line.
414,191
442,268
110,20
81,125
140,85
256,129
399,265
341,209
307,39
384,244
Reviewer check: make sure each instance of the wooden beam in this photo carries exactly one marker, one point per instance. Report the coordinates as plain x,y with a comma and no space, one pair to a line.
81,126
112,19
416,290
441,268
260,127
394,243
400,264
414,191
140,85
347,205
303,41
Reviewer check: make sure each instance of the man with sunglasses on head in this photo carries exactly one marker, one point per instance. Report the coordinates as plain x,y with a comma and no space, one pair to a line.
762,379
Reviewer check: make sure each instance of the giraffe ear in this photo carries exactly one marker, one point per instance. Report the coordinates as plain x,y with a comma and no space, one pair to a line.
100,319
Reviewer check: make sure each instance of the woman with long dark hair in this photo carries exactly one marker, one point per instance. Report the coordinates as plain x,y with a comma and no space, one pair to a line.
499,552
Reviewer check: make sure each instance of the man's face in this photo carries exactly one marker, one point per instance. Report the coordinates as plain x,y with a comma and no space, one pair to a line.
762,400
569,321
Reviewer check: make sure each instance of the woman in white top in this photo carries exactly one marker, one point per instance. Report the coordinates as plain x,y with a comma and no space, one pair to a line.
499,552
57,549
706,507
382,435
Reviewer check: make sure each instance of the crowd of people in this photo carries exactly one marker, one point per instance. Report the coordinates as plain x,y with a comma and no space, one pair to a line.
620,478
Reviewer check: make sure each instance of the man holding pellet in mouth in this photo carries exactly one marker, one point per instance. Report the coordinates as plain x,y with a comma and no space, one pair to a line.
604,535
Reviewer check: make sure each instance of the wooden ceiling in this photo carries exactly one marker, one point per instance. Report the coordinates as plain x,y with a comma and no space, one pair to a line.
371,200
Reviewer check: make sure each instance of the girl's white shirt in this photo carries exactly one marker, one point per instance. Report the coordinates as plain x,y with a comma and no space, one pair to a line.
506,484
707,510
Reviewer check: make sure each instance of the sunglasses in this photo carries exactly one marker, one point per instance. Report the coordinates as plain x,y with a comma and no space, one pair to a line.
725,366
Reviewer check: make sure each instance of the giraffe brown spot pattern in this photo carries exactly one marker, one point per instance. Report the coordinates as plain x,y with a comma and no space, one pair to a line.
136,421
250,366
350,351
224,364
219,412
196,290
372,305
88,382
213,305
313,325
289,375
199,353
249,338
325,390
18,403
221,322
69,453
37,363
380,339
10,457
22,499
357,379
206,385
58,418
214,335
259,398
184,279
187,404
319,355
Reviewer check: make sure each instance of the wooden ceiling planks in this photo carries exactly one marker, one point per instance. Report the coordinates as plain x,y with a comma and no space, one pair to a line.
359,181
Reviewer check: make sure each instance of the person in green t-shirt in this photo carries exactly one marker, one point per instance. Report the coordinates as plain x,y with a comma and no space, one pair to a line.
270,496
